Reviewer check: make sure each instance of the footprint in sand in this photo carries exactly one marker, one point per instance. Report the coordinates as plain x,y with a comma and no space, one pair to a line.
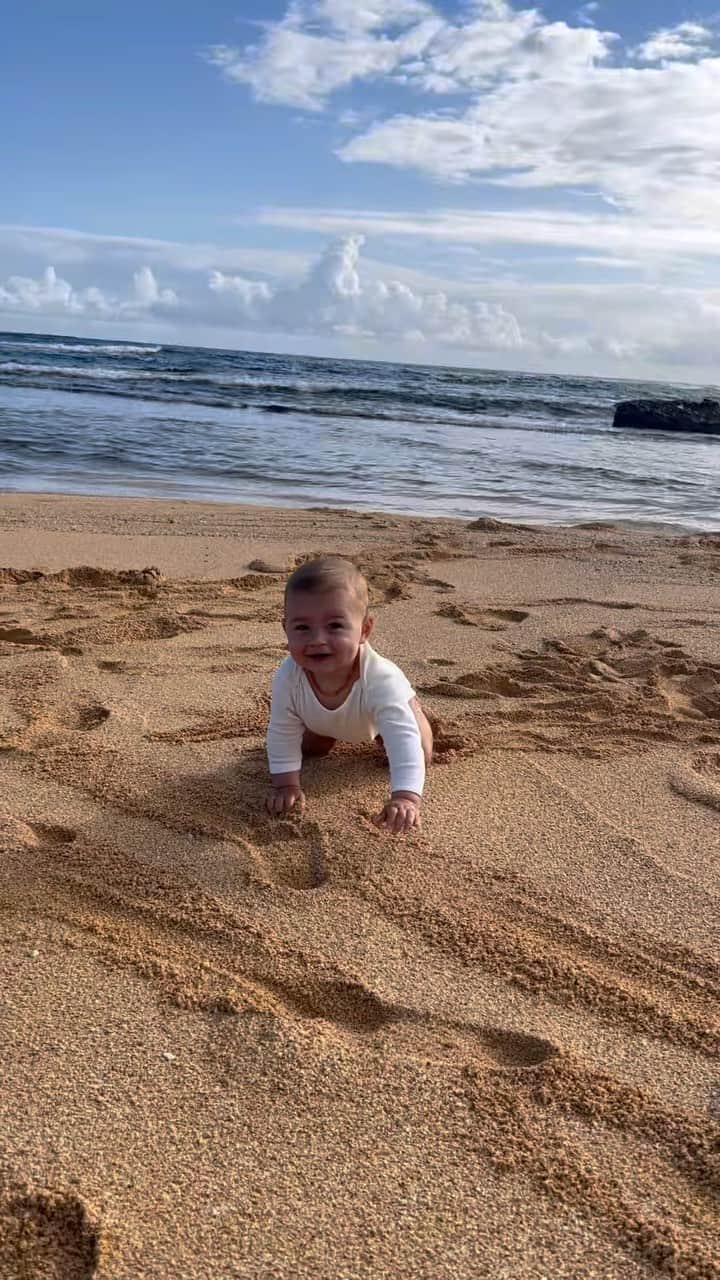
479,684
86,718
18,840
290,855
45,730
48,833
23,848
47,1234
128,629
442,586
699,780
401,1032
22,635
468,615
354,1013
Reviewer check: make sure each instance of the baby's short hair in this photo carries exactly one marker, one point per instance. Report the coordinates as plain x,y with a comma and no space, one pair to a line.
328,573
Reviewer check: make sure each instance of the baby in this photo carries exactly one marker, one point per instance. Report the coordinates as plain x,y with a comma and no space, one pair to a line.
334,686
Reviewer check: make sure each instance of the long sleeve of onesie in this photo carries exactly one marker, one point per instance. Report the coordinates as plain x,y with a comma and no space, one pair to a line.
396,723
285,730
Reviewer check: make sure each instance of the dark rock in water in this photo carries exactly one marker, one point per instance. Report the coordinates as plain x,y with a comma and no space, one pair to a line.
669,415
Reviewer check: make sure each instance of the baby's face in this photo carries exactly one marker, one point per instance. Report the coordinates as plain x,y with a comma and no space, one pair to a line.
325,629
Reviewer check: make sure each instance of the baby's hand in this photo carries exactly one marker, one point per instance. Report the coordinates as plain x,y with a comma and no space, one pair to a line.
281,800
401,813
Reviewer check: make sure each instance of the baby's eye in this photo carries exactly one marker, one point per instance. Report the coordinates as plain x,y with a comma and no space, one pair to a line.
337,626
300,626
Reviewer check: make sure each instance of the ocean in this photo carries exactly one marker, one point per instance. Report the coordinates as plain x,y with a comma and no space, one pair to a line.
103,417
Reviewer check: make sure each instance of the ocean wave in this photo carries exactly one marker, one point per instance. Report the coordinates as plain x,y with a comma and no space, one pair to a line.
74,371
95,348
322,398
341,404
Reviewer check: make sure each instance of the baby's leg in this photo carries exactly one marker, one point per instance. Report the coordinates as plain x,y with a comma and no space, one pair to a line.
314,744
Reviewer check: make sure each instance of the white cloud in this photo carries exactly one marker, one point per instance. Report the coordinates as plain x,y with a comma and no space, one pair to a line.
301,70
543,104
51,295
249,292
147,293
646,240
345,304
323,46
586,13
65,244
335,299
645,138
506,43
619,329
366,15
685,41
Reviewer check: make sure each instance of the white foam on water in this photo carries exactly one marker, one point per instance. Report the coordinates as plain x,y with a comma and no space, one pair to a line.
105,349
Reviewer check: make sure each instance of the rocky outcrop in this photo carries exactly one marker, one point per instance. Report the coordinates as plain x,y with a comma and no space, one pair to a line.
669,415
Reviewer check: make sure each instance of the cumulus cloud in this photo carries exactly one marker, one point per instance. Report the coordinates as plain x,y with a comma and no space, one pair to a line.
249,292
334,299
147,293
350,304
685,41
51,295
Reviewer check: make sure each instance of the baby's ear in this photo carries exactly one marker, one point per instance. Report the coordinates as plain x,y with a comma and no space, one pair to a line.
367,626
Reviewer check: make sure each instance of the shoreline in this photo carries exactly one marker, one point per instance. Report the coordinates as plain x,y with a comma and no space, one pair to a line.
622,524
240,1047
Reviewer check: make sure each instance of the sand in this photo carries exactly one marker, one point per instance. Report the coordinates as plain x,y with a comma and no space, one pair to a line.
301,1049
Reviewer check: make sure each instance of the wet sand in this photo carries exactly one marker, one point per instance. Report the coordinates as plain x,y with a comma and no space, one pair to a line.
304,1050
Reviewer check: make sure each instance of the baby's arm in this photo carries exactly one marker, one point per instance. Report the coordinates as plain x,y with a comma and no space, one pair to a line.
401,735
284,749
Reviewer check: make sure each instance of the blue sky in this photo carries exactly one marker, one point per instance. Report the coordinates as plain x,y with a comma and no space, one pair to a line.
474,182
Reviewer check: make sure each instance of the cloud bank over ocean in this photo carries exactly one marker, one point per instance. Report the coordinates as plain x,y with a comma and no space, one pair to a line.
550,197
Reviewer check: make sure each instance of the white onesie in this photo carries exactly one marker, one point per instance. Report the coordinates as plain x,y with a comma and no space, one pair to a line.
376,704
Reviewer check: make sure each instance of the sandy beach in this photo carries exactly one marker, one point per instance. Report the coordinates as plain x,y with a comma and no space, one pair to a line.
301,1049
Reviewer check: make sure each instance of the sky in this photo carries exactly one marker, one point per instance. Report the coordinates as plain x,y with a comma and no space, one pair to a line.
466,182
